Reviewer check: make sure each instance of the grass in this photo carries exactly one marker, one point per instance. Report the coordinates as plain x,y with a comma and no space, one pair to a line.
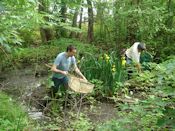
21,57
12,117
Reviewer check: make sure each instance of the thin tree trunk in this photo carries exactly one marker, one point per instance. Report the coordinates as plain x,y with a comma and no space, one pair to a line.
81,16
170,19
79,35
74,23
46,33
133,25
63,17
117,29
90,21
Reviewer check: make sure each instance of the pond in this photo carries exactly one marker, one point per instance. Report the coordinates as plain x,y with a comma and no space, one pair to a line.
29,90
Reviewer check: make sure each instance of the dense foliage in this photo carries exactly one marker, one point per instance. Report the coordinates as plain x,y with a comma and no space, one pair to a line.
155,106
33,32
12,117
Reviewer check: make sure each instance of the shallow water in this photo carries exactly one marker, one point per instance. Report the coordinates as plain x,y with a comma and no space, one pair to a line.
21,84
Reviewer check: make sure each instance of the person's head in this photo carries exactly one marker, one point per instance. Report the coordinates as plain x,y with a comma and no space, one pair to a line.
71,50
141,47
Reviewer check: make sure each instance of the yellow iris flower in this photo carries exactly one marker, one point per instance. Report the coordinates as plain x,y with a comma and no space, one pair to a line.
106,57
123,61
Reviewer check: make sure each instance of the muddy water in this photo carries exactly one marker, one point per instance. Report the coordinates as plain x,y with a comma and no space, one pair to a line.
20,80
21,83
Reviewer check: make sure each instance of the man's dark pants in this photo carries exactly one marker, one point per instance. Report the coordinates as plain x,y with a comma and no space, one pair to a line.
57,83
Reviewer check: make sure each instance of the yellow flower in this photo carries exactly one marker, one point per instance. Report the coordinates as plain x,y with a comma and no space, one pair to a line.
113,66
123,58
105,55
123,61
113,69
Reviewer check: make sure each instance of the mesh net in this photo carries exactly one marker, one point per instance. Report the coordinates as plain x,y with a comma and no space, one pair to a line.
80,85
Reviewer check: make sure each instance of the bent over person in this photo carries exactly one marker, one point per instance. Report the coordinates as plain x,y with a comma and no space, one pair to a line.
133,54
62,66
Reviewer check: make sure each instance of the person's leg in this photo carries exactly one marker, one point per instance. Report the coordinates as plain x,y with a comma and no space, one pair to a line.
128,61
57,83
65,82
65,94
129,67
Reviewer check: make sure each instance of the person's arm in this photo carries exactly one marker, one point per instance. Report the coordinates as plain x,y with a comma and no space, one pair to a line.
136,60
79,73
56,63
77,70
54,69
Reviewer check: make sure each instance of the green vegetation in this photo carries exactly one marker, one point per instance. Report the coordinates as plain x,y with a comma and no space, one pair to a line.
21,57
155,109
106,68
33,32
12,117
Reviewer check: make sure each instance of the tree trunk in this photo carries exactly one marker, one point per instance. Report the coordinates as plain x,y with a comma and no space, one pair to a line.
120,34
170,8
132,26
90,21
81,16
46,33
79,35
74,23
63,17
135,2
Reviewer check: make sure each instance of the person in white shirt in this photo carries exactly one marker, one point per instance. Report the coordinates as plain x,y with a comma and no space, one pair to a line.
133,54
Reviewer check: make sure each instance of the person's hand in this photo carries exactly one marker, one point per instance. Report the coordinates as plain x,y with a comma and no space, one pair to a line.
65,73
